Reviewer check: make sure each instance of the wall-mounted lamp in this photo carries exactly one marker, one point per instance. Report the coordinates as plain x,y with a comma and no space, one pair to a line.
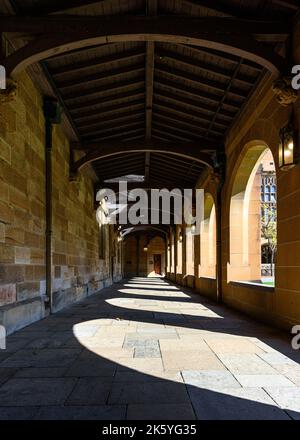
193,229
145,248
180,238
169,247
288,146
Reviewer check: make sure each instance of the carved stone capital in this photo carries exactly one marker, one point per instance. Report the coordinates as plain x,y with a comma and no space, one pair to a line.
9,93
284,92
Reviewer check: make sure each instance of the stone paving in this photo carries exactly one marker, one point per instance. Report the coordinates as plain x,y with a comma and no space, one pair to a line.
147,349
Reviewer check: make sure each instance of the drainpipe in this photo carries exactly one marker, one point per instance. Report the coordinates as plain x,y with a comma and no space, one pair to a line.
52,114
220,168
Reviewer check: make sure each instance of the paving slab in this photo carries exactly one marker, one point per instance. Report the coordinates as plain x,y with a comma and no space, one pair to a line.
18,413
191,360
90,391
263,380
91,412
288,398
42,358
235,404
149,350
232,346
246,364
35,391
160,412
210,379
148,392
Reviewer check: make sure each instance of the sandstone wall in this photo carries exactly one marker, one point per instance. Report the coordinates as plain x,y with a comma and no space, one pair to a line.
77,269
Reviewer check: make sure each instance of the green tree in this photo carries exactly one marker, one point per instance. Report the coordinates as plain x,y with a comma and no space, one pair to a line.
269,229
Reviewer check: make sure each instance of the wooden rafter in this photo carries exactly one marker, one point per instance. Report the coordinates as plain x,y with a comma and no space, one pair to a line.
65,33
181,113
192,126
115,122
77,82
111,130
202,114
57,6
100,127
107,99
107,88
119,135
193,79
151,11
193,92
204,66
194,151
138,103
98,62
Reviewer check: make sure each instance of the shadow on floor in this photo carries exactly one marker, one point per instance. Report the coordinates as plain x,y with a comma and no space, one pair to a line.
146,349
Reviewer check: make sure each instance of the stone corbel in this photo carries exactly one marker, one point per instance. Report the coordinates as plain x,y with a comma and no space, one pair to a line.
9,93
284,92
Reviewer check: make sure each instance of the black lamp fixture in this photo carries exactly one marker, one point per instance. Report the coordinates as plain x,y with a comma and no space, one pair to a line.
288,145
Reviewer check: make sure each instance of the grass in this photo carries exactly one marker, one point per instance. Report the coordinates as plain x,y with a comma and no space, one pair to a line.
269,283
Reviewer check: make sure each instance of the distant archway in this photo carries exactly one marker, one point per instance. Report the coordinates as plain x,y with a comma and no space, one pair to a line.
208,239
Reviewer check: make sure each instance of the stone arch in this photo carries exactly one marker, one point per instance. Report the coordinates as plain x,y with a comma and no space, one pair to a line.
207,267
244,215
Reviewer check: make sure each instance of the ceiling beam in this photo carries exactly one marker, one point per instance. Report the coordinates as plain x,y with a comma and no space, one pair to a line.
103,128
180,123
193,79
132,138
240,12
183,113
99,150
112,130
149,85
110,108
189,134
114,172
109,122
77,82
61,33
97,62
109,164
176,160
151,11
291,4
77,25
172,135
226,57
192,105
57,6
118,136
107,88
104,99
204,66
194,93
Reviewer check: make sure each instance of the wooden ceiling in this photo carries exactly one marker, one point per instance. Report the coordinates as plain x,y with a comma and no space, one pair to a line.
156,91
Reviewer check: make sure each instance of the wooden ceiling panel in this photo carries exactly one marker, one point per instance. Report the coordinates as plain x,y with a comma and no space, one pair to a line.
161,90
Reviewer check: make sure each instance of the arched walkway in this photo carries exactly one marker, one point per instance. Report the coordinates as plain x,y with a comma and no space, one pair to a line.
147,349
